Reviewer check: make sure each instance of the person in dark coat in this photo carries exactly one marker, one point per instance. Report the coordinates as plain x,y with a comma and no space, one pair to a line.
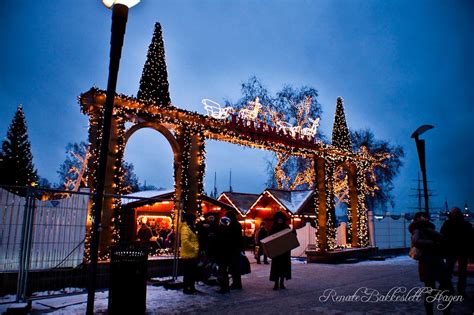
281,265
431,266
458,237
224,253
259,236
230,246
236,247
207,231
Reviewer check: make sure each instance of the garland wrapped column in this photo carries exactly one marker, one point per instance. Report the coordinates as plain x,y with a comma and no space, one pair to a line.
362,216
95,127
109,221
189,171
111,217
320,204
353,206
330,206
118,227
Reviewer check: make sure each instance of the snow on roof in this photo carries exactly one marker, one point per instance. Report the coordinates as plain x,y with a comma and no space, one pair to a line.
145,194
293,200
242,201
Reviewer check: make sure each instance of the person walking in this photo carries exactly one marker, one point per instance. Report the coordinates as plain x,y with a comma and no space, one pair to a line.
457,233
281,265
431,266
259,236
189,252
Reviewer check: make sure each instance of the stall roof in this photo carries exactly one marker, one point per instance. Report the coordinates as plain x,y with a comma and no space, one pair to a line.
292,200
140,195
152,196
239,201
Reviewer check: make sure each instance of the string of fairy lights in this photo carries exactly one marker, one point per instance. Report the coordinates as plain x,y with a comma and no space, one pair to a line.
191,129
330,205
188,124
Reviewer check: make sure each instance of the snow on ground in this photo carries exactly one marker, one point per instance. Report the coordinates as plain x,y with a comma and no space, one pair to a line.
303,293
398,260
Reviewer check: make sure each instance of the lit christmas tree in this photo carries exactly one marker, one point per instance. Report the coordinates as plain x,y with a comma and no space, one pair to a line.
16,160
154,86
340,133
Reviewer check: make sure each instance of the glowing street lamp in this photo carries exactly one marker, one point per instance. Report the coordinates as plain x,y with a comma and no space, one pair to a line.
420,146
119,22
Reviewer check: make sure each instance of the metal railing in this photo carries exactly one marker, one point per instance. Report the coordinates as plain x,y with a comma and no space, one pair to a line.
42,243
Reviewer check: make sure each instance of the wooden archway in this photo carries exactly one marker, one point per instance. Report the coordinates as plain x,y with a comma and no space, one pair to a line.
187,139
158,127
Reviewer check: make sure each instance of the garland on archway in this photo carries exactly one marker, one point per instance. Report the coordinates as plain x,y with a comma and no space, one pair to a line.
205,127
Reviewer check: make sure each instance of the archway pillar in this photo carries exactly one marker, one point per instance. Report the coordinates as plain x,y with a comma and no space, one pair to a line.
189,170
357,211
324,200
352,206
319,195
110,217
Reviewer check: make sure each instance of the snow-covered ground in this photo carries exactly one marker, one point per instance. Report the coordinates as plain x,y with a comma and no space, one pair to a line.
308,284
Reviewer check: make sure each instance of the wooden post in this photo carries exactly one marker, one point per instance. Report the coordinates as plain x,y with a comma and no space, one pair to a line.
108,203
189,174
320,195
353,204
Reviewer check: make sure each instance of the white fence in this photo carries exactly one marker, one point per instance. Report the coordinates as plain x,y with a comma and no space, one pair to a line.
391,231
58,233
387,232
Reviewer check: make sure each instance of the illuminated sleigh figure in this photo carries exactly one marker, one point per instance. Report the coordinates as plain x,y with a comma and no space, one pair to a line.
311,131
215,110
287,128
251,114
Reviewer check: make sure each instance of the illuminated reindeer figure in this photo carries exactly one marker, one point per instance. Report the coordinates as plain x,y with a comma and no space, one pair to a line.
251,114
311,131
215,110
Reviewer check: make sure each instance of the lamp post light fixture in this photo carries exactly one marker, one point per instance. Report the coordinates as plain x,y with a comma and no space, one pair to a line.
119,22
420,147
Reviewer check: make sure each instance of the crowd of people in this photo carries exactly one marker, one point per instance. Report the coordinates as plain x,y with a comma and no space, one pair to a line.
156,237
216,246
438,253
213,242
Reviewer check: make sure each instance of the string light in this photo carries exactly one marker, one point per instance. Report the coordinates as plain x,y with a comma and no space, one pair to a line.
245,128
154,86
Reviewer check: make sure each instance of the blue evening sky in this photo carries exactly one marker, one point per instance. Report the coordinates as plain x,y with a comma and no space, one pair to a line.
398,65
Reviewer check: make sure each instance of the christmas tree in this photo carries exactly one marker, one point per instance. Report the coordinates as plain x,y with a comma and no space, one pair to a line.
340,133
154,86
16,160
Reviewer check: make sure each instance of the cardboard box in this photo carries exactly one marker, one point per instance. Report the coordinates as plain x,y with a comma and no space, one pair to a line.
279,243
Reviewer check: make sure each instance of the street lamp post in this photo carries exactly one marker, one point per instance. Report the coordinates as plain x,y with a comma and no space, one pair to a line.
119,22
420,147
